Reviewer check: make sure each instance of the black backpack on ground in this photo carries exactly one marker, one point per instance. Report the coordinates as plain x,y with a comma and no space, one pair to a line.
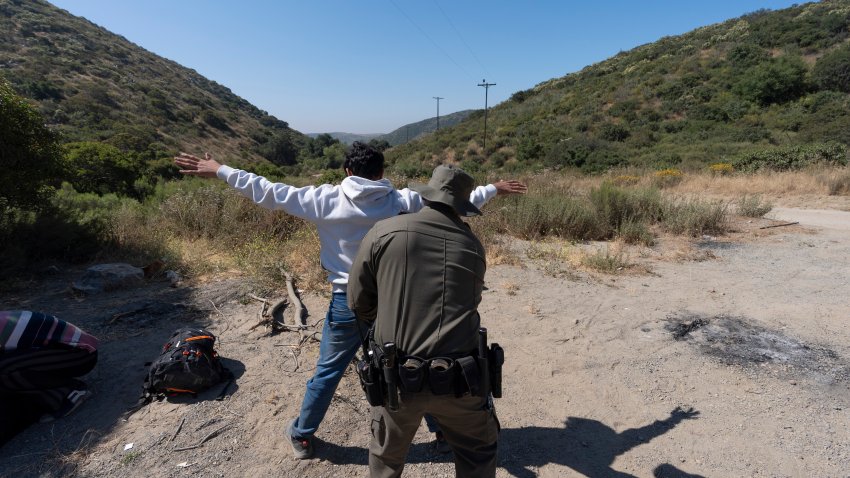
187,365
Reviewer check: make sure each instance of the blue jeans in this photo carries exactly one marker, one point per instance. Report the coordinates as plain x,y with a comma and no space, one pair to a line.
341,338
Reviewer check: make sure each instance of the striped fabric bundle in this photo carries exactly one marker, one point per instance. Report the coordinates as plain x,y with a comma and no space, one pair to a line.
23,329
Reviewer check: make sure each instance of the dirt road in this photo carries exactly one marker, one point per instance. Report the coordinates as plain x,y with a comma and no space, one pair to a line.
736,364
821,218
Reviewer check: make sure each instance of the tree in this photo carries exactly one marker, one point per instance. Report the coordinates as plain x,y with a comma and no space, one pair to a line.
832,71
316,146
334,155
776,81
280,150
379,144
101,168
30,157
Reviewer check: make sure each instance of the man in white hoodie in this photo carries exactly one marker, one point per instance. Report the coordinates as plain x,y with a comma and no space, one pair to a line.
343,215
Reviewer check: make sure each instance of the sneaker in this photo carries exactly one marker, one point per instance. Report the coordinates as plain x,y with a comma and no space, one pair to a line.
69,405
301,447
441,444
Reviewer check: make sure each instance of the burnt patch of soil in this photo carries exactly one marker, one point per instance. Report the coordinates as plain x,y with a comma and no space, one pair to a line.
741,341
680,330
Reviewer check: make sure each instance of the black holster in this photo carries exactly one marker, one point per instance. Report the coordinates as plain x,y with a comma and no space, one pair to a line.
496,358
370,374
383,376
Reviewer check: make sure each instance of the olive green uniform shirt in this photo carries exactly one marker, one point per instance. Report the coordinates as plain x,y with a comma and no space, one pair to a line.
419,277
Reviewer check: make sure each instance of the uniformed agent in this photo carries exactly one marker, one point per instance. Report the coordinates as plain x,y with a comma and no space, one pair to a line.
418,278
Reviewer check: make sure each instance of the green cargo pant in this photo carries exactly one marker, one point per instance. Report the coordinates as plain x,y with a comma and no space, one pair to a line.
470,429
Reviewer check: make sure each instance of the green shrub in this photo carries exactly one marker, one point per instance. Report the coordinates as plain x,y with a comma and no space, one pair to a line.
694,217
603,261
613,132
616,206
101,168
746,55
522,95
30,157
776,81
792,157
214,212
331,176
635,232
71,227
538,215
832,71
215,120
753,206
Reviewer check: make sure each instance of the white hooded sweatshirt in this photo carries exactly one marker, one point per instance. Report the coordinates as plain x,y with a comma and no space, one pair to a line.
342,214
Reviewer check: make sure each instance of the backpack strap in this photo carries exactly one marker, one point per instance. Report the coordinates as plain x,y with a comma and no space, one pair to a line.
227,375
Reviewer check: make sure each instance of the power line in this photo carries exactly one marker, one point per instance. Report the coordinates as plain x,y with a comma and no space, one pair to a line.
438,98
449,20
430,39
486,90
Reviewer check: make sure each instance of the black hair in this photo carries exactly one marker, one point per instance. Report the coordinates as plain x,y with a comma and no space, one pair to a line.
364,161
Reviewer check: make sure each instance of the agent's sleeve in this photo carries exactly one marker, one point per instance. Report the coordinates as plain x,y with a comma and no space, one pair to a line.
363,281
308,202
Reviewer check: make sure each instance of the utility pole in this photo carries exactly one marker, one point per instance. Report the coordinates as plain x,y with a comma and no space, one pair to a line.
486,90
438,110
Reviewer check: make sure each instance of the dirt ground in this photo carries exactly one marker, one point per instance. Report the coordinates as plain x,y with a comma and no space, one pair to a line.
719,357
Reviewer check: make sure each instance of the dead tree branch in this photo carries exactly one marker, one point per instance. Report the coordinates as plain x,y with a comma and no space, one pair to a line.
299,314
780,225
203,440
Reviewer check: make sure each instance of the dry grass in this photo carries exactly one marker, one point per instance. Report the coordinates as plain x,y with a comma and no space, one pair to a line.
823,181
827,181
510,288
204,230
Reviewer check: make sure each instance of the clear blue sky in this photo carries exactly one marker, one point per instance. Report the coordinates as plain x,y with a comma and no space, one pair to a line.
370,66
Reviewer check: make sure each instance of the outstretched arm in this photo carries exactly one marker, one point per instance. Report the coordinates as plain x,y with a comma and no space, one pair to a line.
483,194
510,186
194,166
308,202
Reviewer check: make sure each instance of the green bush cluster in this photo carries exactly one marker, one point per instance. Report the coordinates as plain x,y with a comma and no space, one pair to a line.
791,158
832,71
725,90
603,213
694,217
753,206
30,157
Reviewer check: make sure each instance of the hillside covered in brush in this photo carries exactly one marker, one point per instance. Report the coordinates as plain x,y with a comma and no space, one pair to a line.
93,85
403,134
422,128
771,87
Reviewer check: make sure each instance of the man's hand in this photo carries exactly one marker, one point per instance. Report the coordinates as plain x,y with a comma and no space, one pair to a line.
195,166
509,187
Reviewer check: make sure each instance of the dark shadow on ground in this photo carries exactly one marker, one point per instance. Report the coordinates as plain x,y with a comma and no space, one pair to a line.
669,471
342,455
355,455
132,325
587,446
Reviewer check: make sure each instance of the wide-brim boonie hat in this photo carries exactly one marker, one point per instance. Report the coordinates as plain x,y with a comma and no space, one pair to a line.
449,185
